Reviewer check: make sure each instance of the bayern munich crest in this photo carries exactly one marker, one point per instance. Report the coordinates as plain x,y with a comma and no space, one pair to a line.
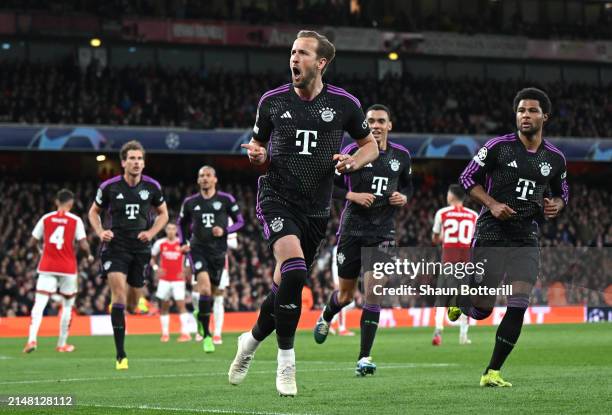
327,114
144,194
277,224
216,205
394,164
341,258
107,265
545,168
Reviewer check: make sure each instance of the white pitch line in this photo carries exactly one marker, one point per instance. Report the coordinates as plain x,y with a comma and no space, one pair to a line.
145,359
203,410
209,374
209,360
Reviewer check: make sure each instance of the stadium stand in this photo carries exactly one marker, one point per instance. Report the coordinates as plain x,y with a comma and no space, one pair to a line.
489,17
152,96
251,265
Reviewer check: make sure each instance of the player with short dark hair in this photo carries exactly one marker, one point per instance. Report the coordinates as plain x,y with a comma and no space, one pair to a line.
130,200
302,126
373,195
203,229
57,269
453,228
520,179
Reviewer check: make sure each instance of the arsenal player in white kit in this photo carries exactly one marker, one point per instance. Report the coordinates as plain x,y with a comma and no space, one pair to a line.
171,280
57,270
453,228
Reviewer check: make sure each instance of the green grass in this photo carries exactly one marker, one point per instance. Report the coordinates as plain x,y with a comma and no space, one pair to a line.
555,369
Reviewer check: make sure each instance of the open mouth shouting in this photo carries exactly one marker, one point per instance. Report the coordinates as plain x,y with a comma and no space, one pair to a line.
296,74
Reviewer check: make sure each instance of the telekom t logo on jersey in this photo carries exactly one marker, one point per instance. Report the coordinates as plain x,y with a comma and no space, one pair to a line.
379,184
131,210
208,219
307,140
525,187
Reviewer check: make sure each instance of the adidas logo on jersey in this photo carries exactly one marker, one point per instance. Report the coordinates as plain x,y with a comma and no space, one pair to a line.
513,164
287,114
120,196
197,207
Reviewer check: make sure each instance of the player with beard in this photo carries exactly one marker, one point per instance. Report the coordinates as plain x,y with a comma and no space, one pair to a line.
520,179
301,125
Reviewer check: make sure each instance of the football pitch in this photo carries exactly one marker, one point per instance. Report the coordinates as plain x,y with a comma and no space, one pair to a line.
555,369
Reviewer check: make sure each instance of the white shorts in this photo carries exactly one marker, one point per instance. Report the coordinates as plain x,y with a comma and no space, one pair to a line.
49,284
176,289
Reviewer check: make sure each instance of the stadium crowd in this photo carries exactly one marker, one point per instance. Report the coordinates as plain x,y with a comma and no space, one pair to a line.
366,13
35,93
588,225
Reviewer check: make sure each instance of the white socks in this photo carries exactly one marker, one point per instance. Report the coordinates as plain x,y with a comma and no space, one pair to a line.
248,342
342,315
286,357
439,319
184,317
218,313
67,304
165,324
40,302
464,324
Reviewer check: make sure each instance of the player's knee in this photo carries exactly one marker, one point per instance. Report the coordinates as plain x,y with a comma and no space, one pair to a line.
480,313
484,302
287,247
345,297
119,299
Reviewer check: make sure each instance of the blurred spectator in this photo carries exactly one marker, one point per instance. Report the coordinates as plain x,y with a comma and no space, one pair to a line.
152,96
588,224
489,17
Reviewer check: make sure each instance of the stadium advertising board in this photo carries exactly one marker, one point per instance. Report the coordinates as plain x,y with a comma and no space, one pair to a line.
83,138
241,321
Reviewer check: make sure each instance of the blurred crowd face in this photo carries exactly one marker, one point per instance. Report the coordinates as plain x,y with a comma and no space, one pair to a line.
304,65
134,163
529,117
